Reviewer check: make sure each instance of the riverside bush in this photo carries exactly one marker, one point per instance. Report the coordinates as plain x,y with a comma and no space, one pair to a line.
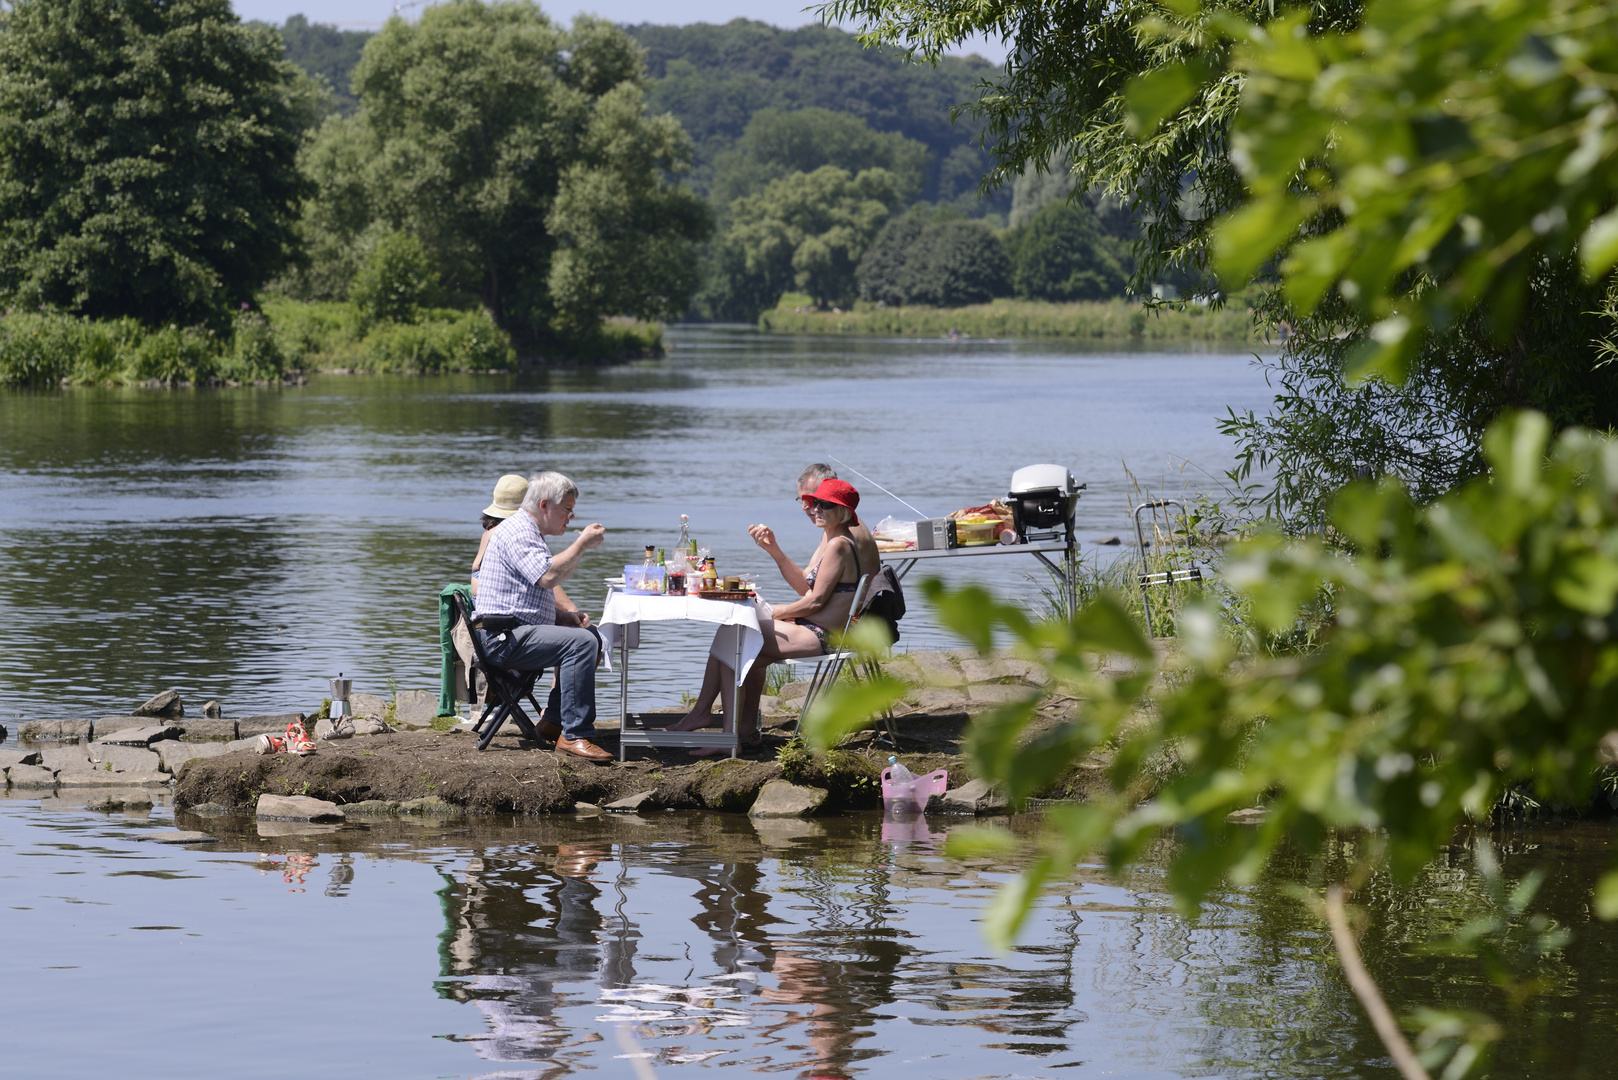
1102,320
47,348
469,341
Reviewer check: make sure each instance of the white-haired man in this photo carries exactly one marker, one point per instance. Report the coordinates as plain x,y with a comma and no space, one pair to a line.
518,579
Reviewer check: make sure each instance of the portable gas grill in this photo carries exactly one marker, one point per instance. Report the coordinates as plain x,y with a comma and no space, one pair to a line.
1043,500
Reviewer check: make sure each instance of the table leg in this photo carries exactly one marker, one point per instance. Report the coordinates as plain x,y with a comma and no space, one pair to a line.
623,694
736,698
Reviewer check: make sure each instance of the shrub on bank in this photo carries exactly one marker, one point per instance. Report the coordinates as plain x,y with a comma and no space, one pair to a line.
47,348
1117,320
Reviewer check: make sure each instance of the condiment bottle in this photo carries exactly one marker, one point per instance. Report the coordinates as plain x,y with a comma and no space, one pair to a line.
648,561
710,576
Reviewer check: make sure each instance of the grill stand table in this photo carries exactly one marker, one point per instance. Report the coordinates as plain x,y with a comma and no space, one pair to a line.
904,561
737,644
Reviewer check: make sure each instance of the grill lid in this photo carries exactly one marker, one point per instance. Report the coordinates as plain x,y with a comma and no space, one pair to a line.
1043,478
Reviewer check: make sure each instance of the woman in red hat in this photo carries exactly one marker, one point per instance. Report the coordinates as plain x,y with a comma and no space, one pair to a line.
801,628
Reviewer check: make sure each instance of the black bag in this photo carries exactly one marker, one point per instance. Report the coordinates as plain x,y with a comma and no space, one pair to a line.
887,600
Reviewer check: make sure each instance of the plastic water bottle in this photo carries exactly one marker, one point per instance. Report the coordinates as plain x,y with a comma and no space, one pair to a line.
900,774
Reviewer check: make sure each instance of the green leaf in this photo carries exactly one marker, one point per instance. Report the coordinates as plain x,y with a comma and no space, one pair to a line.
1598,247
849,706
1104,623
980,842
1251,236
1150,98
1607,896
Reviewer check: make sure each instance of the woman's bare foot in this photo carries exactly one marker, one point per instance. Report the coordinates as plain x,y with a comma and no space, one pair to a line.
691,721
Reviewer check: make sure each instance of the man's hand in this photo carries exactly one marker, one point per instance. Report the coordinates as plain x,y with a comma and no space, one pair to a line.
565,563
591,536
573,617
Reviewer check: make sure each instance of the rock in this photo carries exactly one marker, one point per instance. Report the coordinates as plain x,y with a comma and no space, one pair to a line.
430,806
98,776
270,829
792,691
995,693
1606,748
270,724
586,809
30,776
936,669
784,832
979,670
779,799
415,708
174,753
165,704
72,756
937,700
111,804
297,808
125,759
210,809
8,758
208,730
1252,815
139,736
369,705
370,725
639,802
180,836
972,797
212,711
249,743
772,706
67,731
330,730
732,786
1108,541
107,725
370,808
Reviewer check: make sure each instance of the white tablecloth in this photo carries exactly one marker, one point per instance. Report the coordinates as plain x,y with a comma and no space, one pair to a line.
624,612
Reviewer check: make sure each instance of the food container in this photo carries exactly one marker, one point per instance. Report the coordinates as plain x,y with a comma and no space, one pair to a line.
643,580
970,532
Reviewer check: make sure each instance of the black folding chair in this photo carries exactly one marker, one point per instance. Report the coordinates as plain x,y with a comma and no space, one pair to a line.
505,690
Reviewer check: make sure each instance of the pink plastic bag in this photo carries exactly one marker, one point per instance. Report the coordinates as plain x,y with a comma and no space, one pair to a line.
902,795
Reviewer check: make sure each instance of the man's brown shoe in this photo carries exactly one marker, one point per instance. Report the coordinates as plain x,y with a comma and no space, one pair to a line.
549,730
583,748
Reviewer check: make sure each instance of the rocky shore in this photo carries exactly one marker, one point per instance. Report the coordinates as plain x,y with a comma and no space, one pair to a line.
408,769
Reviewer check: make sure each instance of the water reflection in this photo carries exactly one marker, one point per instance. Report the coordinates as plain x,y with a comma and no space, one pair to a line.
791,968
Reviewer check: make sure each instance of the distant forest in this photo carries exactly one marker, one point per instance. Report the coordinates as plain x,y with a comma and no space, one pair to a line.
714,79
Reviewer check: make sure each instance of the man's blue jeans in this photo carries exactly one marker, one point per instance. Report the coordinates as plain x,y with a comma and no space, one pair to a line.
569,649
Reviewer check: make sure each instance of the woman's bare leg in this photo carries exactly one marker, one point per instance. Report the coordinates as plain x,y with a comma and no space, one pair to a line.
701,714
784,641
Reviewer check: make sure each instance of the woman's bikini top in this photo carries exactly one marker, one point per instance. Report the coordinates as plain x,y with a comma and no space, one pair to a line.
841,586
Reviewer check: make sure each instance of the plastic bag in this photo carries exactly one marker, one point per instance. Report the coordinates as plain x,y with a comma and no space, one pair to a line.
890,528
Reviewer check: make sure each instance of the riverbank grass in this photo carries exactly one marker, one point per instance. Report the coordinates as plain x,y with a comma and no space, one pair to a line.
1114,320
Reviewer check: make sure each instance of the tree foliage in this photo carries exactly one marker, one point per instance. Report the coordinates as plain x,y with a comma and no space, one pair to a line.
943,263
1061,254
148,158
715,79
522,156
809,230
775,144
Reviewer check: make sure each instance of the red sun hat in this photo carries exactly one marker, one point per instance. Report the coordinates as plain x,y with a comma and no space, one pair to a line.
842,493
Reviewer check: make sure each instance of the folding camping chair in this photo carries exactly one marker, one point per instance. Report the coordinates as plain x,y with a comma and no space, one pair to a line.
828,666
505,690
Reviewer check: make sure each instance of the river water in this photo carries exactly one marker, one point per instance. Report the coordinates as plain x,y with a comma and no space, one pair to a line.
249,544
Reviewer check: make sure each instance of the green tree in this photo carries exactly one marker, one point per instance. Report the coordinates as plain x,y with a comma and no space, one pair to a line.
326,52
881,271
776,144
809,230
394,281
1061,254
522,157
148,158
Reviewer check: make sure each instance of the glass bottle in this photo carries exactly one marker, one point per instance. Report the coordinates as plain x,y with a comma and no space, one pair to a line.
684,541
648,561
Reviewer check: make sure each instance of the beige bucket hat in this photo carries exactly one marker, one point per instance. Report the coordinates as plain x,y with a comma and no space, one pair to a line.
508,493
